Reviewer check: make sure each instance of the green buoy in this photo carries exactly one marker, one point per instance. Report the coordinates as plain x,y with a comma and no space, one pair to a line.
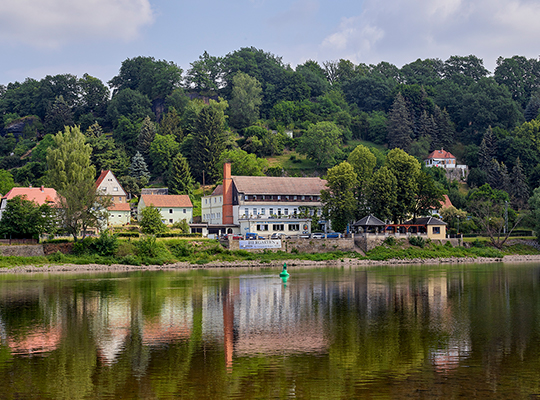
284,273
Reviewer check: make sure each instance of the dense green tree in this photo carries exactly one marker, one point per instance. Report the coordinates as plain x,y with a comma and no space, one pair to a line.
94,131
400,125
107,155
171,124
146,136
488,207
369,93
382,194
533,107
519,189
263,142
429,196
534,206
487,150
245,101
208,143
151,222
363,162
126,133
314,76
23,218
72,175
58,115
426,72
6,181
530,132
406,169
338,200
180,180
94,96
130,104
242,163
469,66
205,75
321,143
520,75
162,151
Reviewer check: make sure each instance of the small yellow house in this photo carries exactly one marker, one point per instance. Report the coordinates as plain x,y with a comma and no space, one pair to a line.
173,207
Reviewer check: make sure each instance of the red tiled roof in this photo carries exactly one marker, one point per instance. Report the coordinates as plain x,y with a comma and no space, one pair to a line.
101,177
446,202
279,185
41,195
119,207
170,200
440,154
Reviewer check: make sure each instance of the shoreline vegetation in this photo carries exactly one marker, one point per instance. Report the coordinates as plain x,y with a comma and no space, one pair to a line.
150,254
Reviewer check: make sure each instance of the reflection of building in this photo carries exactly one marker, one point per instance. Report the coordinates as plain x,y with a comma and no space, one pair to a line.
39,341
173,323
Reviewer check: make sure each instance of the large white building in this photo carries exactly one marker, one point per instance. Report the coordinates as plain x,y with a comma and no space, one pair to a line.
263,205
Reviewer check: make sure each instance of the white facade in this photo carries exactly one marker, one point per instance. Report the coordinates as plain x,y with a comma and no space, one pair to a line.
212,209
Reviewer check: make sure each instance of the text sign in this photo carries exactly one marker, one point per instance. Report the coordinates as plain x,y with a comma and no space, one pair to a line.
259,244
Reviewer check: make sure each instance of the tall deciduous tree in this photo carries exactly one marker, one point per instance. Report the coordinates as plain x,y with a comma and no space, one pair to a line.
338,200
382,193
406,169
246,99
162,151
321,142
180,180
363,162
72,175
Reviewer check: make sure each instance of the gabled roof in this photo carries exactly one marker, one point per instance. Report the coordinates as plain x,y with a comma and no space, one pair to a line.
268,185
170,200
440,154
40,195
102,177
119,207
370,220
446,202
218,191
425,221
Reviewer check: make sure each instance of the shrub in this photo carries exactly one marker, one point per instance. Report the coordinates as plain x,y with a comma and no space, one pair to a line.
106,244
390,241
147,246
181,249
449,245
57,257
128,234
84,246
417,241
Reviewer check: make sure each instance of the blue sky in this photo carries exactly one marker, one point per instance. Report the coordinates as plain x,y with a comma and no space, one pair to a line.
49,37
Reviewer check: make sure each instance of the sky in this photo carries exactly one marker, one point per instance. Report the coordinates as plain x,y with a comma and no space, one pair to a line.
49,37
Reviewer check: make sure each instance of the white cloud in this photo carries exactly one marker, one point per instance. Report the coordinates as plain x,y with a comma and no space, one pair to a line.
400,31
52,23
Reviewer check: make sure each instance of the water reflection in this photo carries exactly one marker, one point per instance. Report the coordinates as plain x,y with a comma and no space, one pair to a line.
387,332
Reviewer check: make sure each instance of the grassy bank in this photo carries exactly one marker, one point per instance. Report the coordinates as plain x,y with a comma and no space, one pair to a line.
152,251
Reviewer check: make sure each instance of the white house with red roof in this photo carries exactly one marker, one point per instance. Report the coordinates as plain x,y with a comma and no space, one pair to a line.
120,210
173,207
440,158
39,195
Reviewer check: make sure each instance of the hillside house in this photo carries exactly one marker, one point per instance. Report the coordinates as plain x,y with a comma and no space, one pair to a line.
119,213
39,195
173,207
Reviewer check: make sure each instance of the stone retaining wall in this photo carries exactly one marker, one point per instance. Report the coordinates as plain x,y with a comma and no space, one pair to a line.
22,250
367,243
303,245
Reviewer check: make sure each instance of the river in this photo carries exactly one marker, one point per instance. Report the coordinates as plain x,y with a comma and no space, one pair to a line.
386,332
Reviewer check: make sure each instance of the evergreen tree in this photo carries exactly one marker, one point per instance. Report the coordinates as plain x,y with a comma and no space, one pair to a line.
444,128
533,107
208,143
146,136
171,125
400,125
487,151
94,131
139,170
180,180
58,116
519,187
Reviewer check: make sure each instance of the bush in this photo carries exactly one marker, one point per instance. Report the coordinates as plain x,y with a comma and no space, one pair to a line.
85,246
390,241
57,257
417,241
106,244
147,246
128,234
181,249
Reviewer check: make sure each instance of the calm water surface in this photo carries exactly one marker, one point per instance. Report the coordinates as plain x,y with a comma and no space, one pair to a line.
467,331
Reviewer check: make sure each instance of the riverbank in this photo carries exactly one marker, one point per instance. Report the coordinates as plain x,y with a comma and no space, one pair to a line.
292,264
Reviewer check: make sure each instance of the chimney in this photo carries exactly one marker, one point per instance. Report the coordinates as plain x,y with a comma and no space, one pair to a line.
227,195
42,188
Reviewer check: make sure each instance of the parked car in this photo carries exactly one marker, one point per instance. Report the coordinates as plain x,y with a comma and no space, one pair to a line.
317,235
234,236
333,235
279,236
253,236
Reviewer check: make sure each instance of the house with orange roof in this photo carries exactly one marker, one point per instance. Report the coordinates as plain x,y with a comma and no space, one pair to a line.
39,195
120,210
440,158
173,207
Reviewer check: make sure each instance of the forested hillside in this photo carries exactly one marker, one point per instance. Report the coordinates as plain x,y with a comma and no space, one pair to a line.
154,122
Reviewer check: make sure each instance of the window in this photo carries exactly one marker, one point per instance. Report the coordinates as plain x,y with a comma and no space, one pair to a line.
262,227
263,196
294,227
246,211
303,197
295,197
254,211
278,227
184,210
279,211
262,211
271,211
115,189
279,197
215,199
170,221
286,197
295,211
170,211
286,211
104,189
205,201
436,230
